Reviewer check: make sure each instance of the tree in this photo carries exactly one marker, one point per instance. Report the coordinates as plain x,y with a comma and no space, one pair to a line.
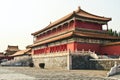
119,34
110,32
115,33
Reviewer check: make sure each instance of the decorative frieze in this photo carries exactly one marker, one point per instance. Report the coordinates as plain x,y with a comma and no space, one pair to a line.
64,41
71,40
39,47
51,44
57,43
89,40
80,40
89,20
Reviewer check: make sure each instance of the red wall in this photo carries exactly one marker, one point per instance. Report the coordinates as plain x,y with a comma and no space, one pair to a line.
88,25
111,50
53,49
88,46
71,46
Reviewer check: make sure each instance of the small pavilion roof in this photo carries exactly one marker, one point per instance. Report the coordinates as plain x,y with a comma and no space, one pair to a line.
80,13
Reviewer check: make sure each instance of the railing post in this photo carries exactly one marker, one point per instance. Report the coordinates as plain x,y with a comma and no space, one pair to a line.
69,60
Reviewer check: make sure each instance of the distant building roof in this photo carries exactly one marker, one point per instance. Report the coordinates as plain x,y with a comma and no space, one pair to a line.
21,52
12,48
80,13
1,53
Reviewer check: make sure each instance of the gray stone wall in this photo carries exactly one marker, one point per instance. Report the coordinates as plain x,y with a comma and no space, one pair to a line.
85,62
80,62
103,64
51,61
72,61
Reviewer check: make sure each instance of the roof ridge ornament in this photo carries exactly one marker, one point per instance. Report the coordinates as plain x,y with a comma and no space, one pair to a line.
73,12
79,8
50,22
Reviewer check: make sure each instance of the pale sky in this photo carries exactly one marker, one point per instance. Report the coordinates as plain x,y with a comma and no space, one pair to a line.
20,18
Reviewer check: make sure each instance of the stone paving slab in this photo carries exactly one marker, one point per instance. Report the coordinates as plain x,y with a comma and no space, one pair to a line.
16,76
11,75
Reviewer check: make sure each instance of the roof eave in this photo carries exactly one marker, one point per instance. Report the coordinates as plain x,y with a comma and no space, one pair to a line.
54,23
74,13
53,39
79,10
107,20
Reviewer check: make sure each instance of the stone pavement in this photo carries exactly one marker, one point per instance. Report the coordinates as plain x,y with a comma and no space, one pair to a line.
116,76
27,73
11,75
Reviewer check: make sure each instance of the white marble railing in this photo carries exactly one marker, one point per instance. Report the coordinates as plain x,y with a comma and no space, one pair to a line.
90,53
114,70
63,53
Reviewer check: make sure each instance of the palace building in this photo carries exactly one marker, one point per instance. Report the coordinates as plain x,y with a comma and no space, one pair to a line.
11,50
75,32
